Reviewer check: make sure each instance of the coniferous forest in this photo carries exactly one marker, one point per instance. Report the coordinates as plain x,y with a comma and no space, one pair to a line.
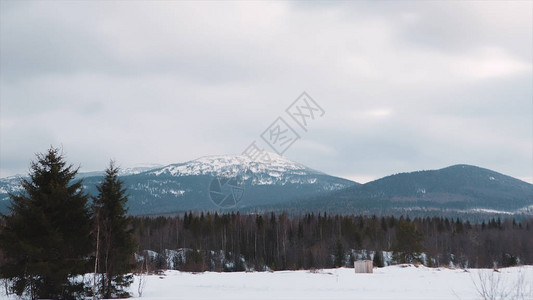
238,242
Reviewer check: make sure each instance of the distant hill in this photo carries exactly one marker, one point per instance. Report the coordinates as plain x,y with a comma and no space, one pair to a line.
459,188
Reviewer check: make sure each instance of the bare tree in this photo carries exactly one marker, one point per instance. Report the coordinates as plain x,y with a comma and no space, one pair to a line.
142,278
95,281
496,285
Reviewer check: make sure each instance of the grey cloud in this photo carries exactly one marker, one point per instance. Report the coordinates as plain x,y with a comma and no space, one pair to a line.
166,82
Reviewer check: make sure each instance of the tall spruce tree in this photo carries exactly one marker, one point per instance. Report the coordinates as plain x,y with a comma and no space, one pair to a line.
339,254
407,245
115,240
46,238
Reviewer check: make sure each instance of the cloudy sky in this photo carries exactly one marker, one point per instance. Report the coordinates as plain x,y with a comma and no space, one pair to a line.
404,85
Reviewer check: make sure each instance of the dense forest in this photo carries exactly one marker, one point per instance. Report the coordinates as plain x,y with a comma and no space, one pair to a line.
237,242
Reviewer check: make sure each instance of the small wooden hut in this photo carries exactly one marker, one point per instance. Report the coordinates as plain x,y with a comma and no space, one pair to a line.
363,266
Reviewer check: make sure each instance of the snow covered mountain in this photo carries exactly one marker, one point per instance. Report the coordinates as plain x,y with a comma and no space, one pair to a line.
235,182
276,171
210,183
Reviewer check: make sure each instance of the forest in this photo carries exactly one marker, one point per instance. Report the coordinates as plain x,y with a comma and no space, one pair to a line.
237,242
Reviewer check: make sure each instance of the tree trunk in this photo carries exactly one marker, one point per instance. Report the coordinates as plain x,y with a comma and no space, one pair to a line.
96,260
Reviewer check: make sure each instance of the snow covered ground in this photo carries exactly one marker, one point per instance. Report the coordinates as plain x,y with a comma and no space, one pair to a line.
394,282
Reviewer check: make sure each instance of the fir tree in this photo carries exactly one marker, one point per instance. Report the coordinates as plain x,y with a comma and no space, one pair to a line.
115,240
46,238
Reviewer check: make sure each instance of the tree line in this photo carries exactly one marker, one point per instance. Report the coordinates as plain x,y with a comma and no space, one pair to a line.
56,232
283,242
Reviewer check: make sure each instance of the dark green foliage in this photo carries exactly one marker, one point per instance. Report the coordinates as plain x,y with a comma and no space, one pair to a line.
46,239
407,243
339,254
458,226
509,260
378,259
160,261
195,261
116,244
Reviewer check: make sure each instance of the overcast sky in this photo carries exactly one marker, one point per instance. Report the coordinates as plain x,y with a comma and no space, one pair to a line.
404,85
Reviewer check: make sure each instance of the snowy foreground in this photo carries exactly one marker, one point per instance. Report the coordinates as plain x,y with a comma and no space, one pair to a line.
394,282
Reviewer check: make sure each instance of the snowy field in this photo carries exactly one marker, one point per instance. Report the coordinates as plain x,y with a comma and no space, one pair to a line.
394,282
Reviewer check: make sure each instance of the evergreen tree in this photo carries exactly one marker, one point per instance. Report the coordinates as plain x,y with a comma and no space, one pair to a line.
115,241
339,254
378,259
46,238
407,244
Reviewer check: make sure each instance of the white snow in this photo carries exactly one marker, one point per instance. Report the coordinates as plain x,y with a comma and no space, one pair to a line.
177,192
393,282
490,211
276,171
139,168
525,209
232,165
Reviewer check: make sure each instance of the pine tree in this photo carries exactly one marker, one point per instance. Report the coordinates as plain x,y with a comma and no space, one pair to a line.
116,244
46,238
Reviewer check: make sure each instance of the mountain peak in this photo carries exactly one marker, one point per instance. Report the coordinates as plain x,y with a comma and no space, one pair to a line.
232,165
455,187
466,167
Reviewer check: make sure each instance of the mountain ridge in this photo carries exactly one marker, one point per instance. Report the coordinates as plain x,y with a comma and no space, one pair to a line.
186,186
282,184
459,188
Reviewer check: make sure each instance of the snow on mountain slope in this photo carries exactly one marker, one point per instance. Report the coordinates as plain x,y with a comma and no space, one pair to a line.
188,186
138,169
10,184
123,171
232,165
277,170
